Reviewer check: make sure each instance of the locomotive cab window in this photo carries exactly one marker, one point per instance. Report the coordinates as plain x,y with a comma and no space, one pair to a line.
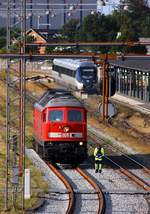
74,116
88,72
55,115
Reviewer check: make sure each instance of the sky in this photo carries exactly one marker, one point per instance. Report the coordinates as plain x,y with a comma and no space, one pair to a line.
109,7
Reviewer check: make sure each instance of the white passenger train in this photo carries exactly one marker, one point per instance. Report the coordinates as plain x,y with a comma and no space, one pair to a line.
77,74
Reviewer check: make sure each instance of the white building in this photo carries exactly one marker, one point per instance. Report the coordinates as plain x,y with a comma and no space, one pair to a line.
47,14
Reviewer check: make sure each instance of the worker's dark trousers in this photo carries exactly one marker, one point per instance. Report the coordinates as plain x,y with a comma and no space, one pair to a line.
98,165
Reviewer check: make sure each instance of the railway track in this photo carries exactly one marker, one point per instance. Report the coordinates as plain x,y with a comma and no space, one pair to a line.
92,172
125,164
101,206
73,207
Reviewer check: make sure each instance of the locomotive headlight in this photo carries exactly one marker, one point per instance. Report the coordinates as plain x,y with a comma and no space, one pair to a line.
81,143
66,129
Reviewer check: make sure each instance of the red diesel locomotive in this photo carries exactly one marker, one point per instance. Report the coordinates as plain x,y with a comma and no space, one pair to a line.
60,127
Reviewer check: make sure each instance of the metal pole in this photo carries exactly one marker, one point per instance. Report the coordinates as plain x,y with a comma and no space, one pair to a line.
24,94
48,24
31,18
38,22
23,75
107,89
103,90
20,101
7,108
64,12
81,15
7,137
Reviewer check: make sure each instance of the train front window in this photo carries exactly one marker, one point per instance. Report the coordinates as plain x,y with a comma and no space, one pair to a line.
88,73
74,116
55,115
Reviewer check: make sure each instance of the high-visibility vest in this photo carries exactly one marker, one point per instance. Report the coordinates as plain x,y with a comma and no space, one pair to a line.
98,155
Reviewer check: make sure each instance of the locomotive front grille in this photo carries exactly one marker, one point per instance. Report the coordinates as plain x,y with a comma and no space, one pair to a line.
66,152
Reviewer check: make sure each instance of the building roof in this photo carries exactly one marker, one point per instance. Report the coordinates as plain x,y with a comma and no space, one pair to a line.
37,32
46,34
141,63
57,98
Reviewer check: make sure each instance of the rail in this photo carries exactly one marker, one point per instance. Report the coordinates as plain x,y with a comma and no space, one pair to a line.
101,207
71,204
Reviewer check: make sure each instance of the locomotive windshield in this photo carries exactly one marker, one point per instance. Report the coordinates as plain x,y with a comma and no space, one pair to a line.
74,116
55,115
88,73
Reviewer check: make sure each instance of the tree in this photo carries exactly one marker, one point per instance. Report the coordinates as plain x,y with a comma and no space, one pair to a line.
2,42
131,18
138,8
98,27
70,29
2,37
2,32
138,12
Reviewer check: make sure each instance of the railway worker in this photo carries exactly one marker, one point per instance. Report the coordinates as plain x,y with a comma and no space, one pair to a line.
98,154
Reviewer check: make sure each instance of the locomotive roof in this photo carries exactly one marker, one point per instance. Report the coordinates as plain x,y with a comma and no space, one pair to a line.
73,64
57,98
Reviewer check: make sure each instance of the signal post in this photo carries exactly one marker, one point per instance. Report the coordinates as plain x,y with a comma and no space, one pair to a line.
105,83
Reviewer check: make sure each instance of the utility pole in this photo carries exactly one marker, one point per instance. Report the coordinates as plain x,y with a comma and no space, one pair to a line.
7,109
81,12
15,113
107,86
64,12
48,7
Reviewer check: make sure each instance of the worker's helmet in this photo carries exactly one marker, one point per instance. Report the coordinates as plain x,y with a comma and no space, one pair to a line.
99,147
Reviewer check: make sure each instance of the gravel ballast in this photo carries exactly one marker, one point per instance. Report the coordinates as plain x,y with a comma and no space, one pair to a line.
121,195
56,201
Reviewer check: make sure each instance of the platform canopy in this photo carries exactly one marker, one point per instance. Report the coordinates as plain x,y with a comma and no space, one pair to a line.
141,63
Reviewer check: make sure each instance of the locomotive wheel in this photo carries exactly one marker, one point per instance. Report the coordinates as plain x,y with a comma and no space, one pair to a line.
43,153
36,147
33,144
40,151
